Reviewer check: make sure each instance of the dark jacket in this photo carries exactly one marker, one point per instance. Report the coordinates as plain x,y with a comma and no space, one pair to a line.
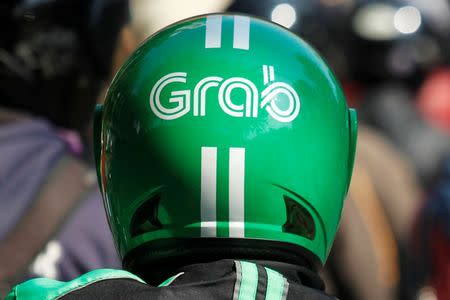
224,279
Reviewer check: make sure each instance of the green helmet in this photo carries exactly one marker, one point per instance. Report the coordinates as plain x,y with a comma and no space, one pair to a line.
224,136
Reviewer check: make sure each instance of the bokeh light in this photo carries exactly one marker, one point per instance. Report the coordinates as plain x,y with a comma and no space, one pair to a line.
407,19
284,14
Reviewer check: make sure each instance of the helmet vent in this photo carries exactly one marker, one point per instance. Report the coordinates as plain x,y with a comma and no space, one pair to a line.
145,219
298,219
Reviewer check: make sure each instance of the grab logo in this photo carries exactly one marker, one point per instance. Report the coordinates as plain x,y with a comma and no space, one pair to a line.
279,99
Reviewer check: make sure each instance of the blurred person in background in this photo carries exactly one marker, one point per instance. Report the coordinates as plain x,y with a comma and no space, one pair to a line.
55,57
432,228
371,258
432,237
381,51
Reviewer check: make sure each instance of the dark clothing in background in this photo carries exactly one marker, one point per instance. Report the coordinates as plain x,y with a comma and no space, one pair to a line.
30,150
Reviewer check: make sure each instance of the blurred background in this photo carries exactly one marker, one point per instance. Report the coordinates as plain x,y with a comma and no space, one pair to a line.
393,61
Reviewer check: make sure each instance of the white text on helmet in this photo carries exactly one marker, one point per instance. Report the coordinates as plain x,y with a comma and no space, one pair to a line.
181,102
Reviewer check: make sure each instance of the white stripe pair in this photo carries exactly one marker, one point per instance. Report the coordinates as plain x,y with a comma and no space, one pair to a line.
236,173
241,32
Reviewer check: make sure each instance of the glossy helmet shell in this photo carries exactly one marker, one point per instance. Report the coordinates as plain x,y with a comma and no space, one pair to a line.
224,136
